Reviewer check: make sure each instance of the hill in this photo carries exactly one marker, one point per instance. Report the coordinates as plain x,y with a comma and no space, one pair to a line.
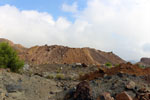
17,47
64,55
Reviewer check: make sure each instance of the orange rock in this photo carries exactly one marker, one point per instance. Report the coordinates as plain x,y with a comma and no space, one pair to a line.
123,96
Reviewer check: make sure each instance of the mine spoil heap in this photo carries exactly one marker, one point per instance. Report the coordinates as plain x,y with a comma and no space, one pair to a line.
56,54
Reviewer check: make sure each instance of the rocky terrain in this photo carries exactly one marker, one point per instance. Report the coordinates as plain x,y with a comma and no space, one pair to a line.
64,73
118,83
123,82
22,87
40,83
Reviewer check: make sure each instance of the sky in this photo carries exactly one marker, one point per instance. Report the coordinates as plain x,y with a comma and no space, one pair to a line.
120,26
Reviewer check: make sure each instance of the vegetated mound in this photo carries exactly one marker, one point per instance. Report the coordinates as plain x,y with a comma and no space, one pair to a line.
65,55
127,68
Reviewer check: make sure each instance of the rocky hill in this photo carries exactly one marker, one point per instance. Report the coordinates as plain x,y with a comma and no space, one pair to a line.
145,61
63,55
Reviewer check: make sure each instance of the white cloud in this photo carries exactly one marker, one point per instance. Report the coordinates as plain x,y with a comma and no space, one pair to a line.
31,27
121,26
70,8
146,47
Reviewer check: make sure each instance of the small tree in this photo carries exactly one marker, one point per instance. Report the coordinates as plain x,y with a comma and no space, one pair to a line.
9,58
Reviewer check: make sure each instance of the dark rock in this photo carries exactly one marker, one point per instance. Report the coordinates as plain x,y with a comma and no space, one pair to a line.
120,74
143,96
65,88
84,65
38,74
13,88
108,77
51,92
83,92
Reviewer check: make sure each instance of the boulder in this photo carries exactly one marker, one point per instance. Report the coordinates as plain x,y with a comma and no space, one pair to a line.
105,96
123,96
83,91
130,85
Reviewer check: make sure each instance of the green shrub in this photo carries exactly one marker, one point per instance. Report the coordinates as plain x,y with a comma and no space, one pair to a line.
142,66
50,76
108,64
60,76
9,58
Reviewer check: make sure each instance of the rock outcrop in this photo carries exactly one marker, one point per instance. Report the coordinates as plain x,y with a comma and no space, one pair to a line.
145,61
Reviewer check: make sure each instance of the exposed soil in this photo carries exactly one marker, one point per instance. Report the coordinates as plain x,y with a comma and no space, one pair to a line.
59,55
122,68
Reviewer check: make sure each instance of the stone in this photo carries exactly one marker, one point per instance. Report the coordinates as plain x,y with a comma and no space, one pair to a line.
143,94
123,96
84,65
105,96
83,91
120,74
51,92
2,95
131,85
26,67
13,88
